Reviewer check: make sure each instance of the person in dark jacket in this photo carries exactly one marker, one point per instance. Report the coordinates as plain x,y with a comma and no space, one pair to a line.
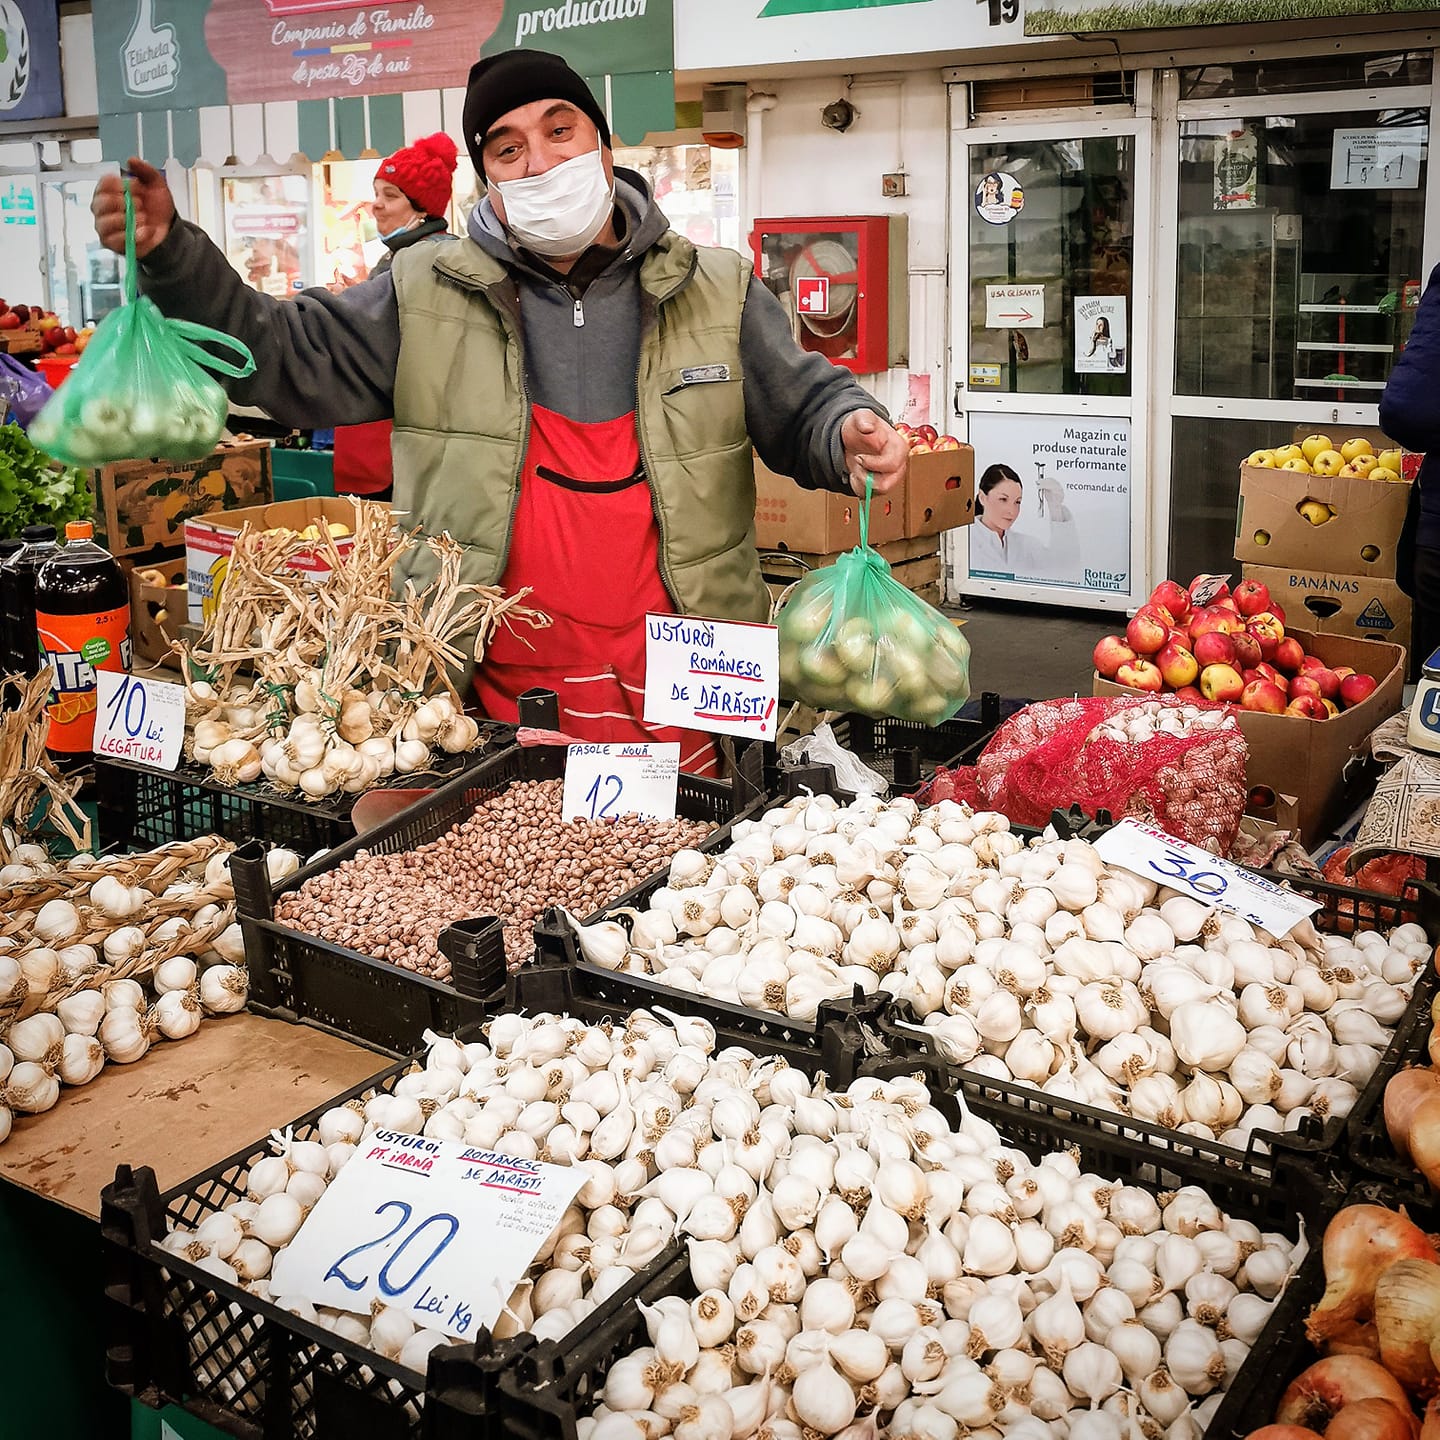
1410,415
412,194
576,389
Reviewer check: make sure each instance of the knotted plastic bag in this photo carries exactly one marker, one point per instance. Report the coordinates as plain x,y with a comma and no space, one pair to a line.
140,390
853,638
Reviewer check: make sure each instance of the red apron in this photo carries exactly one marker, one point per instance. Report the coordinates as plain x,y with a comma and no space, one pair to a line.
586,543
362,458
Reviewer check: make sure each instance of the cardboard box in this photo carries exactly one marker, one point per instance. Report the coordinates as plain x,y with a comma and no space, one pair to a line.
1307,758
1357,605
156,611
140,504
940,491
791,518
210,539
1358,539
914,563
23,341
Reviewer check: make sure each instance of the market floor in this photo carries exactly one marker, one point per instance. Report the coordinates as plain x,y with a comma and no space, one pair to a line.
1034,652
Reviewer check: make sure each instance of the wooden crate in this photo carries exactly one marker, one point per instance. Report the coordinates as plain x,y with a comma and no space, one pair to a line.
24,341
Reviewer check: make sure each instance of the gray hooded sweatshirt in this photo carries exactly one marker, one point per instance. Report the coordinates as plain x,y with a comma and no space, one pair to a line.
326,359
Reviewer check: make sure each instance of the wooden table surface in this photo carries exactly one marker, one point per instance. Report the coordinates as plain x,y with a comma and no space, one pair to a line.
186,1105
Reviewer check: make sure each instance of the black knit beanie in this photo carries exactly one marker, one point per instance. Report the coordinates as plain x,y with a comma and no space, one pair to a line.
502,83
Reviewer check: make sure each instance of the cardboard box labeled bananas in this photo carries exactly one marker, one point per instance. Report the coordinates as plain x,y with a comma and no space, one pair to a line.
1290,755
940,491
158,606
1344,524
140,504
819,522
1363,606
209,541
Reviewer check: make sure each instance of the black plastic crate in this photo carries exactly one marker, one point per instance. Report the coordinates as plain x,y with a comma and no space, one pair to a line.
1324,1146
296,976
179,1335
953,742
138,806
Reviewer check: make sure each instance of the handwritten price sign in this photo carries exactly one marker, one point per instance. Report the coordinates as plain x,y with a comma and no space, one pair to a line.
604,782
440,1230
1152,854
717,675
139,720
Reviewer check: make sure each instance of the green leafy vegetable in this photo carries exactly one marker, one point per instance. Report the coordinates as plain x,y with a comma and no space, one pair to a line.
33,489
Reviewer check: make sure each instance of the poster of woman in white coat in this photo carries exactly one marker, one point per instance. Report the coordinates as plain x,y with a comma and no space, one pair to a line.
999,552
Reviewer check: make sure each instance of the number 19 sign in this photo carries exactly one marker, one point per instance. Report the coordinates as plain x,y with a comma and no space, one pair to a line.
439,1230
1154,855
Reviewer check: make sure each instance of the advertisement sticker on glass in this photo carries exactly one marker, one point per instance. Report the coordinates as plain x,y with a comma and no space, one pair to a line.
1237,172
1052,501
1100,339
1387,159
998,198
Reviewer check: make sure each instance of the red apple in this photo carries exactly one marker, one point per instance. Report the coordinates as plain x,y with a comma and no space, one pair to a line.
1221,682
1328,681
1247,648
1190,694
1110,654
8,321
66,349
1215,618
1215,647
1177,665
920,447
902,429
1267,629
1311,663
1267,671
1355,688
1305,685
1264,696
1147,632
22,314
1343,670
1226,602
1180,636
928,433
1277,612
1251,597
1308,707
1288,655
1140,674
1172,597
1250,675
946,442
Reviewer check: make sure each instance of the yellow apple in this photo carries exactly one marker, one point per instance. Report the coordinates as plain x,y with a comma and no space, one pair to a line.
1265,459
1288,452
1297,464
1358,446
1317,512
1390,459
1313,445
1359,467
1328,462
1386,474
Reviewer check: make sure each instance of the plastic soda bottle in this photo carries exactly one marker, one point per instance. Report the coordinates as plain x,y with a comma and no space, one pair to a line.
82,614
21,653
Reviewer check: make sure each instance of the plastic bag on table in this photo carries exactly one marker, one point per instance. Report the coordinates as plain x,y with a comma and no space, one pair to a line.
23,391
140,390
853,638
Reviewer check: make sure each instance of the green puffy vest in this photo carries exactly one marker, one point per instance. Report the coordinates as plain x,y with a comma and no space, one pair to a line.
462,417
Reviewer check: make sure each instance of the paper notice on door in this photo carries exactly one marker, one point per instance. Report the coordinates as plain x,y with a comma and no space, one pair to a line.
1014,307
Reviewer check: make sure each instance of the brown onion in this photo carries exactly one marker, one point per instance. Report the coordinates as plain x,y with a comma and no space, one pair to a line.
1407,1316
1430,1430
1373,1419
1424,1138
1283,1432
1403,1096
1360,1242
1318,1394
1355,1339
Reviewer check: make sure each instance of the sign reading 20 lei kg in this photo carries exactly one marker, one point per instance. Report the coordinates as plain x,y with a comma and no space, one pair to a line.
439,1230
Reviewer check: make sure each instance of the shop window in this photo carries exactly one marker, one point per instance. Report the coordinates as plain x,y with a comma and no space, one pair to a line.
1284,75
266,230
1051,249
697,188
1299,254
84,276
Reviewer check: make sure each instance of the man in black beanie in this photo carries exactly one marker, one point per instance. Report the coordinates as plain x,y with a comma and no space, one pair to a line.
576,389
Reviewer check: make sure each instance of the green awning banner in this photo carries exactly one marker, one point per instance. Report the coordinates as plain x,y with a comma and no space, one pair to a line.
205,81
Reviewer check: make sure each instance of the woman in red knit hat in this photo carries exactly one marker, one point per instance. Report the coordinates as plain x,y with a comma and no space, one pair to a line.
412,194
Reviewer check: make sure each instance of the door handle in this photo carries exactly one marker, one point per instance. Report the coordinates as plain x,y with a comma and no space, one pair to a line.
955,398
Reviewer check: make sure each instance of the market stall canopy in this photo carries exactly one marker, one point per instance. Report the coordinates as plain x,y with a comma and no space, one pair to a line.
202,81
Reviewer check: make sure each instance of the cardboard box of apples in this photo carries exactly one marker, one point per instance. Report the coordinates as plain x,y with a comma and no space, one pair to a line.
33,330
1317,507
1206,642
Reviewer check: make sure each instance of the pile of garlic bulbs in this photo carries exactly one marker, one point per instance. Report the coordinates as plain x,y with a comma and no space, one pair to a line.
120,953
1035,963
852,1255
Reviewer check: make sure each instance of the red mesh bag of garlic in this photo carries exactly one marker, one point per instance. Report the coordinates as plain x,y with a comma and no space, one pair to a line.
1179,765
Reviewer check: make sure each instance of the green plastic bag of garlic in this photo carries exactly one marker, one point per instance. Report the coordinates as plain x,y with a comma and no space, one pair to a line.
853,638
140,391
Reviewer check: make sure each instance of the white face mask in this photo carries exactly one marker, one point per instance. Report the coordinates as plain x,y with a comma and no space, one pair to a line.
559,213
